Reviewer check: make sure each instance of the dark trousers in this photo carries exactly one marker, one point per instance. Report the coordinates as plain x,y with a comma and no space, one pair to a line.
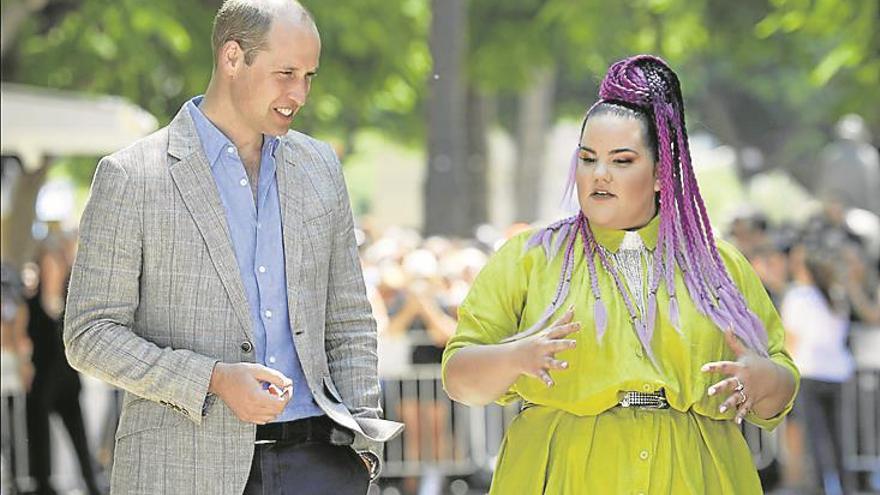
818,404
44,399
307,468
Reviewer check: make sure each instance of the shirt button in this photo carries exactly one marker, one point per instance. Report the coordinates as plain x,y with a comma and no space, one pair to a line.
268,313
230,150
246,346
243,182
262,269
271,359
643,455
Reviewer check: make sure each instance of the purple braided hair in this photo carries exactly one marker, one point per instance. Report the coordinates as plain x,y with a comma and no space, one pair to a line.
646,84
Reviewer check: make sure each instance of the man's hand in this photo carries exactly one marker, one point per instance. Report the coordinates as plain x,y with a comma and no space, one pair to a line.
241,387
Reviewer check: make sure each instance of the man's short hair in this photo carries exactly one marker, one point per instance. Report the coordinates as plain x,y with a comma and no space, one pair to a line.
247,22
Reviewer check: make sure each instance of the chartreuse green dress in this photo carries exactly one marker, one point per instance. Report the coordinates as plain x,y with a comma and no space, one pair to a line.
573,438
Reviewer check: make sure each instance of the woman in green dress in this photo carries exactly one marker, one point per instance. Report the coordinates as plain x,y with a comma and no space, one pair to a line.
636,341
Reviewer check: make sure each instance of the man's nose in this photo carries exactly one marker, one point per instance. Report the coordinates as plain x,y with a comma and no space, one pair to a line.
299,93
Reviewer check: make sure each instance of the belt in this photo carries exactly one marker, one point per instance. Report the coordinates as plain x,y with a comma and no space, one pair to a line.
643,400
314,429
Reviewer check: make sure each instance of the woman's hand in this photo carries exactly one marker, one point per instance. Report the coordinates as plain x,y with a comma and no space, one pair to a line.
752,380
536,355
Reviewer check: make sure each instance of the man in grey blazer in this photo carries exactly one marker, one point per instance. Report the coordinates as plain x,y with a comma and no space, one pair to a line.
218,283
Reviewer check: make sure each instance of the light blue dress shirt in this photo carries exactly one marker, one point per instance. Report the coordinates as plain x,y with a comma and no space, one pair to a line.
257,240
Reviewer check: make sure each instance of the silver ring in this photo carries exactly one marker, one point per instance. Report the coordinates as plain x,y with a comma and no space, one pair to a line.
744,398
739,385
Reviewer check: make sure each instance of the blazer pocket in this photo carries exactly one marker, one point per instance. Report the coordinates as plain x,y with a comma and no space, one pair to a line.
140,415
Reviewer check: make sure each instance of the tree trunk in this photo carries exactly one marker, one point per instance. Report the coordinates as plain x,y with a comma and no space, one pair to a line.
535,111
477,186
445,211
16,239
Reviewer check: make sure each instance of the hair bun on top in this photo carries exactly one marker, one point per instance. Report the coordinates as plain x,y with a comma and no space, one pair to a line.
641,80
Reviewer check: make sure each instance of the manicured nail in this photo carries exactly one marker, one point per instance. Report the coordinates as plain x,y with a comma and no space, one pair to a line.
705,367
711,390
739,420
722,408
564,364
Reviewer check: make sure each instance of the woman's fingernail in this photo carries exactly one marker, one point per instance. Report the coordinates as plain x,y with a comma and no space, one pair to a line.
711,390
739,420
564,364
722,408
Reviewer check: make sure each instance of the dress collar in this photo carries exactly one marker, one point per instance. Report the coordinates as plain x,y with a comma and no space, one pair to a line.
612,239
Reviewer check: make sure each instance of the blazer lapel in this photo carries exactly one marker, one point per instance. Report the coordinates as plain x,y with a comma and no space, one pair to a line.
290,183
193,179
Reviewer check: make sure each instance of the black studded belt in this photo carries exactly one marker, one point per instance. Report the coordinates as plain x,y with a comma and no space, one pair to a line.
644,400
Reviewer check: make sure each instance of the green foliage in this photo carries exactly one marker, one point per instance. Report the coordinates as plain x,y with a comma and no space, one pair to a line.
784,70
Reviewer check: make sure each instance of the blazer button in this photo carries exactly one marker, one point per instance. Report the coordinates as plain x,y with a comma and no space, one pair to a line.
246,346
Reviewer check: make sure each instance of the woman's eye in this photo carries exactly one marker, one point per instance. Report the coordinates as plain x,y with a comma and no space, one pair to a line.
623,161
587,159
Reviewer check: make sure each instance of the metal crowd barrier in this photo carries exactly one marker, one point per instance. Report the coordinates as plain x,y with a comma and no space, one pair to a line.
860,405
13,431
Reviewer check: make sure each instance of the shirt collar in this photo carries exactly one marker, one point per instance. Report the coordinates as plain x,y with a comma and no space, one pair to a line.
611,239
213,140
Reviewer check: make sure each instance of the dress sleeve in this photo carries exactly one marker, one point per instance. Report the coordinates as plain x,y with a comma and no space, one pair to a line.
759,302
493,307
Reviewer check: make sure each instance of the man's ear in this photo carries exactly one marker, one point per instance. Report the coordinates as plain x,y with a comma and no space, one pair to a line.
231,58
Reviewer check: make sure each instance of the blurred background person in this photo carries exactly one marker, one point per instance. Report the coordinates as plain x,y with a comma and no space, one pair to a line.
16,373
56,388
816,320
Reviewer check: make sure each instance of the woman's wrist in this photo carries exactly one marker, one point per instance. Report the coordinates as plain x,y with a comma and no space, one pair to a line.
781,384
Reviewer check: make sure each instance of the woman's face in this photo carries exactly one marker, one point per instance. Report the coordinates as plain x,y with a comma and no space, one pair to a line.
615,173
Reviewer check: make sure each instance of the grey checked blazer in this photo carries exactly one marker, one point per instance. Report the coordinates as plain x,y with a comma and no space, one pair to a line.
156,299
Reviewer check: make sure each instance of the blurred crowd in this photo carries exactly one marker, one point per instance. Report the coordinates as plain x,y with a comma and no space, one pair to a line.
823,278
34,366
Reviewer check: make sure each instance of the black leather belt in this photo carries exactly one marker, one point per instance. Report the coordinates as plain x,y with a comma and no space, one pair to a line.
314,429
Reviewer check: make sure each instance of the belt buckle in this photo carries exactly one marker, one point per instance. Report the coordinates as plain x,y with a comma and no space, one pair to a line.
643,400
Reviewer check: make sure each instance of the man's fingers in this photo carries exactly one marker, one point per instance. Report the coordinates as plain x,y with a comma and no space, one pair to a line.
269,375
562,330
